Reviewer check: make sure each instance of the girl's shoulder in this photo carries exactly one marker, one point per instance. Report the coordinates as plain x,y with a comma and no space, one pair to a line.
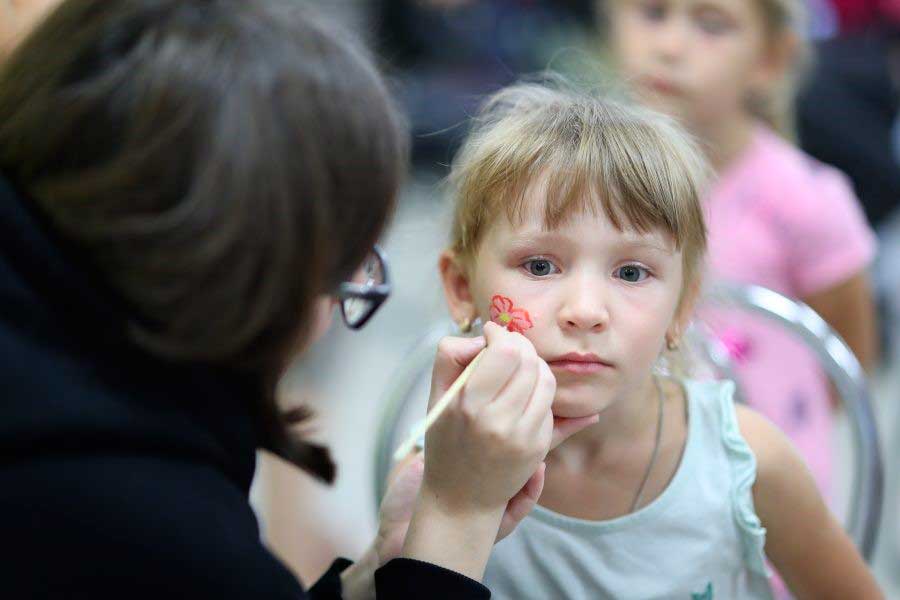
778,463
714,399
749,439
710,400
764,439
718,421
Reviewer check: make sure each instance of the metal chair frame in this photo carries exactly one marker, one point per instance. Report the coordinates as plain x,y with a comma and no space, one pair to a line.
834,355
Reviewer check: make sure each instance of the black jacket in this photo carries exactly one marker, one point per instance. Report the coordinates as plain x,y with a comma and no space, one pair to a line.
123,475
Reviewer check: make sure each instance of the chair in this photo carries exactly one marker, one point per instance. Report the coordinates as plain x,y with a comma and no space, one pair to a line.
405,401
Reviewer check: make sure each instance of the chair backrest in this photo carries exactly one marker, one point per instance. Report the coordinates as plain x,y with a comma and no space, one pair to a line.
405,401
843,370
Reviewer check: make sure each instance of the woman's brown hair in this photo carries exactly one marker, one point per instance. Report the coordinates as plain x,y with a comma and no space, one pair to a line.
220,163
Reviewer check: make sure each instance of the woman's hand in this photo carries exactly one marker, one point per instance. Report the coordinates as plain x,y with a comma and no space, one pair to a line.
485,448
358,581
400,498
495,435
492,438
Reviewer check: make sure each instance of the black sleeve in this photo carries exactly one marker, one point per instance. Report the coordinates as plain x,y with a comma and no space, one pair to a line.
137,527
404,578
407,578
328,587
152,527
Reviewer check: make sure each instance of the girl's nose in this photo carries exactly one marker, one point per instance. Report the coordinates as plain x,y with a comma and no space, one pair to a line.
585,308
670,39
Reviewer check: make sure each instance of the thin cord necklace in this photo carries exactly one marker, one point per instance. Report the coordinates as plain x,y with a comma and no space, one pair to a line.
659,428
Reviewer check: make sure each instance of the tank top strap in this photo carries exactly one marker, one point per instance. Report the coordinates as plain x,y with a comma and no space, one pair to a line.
713,408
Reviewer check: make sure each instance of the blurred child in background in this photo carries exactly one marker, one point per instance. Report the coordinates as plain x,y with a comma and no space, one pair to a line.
727,70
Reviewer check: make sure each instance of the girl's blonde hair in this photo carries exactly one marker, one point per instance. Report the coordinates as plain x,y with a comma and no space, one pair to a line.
590,153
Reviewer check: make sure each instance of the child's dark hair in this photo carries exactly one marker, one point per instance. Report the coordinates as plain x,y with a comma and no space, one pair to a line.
220,163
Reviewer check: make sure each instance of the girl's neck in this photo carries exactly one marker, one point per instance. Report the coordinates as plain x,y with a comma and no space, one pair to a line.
624,421
725,141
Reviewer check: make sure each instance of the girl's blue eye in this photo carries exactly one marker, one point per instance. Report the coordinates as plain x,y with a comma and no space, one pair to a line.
713,23
632,273
540,267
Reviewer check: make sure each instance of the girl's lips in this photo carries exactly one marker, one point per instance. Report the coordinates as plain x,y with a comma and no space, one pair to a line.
579,367
580,364
663,86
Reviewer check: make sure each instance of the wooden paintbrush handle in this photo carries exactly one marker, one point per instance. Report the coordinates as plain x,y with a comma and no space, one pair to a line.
438,409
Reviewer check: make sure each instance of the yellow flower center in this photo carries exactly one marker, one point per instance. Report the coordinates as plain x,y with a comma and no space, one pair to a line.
505,318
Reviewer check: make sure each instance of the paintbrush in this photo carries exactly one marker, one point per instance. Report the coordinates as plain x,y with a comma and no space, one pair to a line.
504,314
440,406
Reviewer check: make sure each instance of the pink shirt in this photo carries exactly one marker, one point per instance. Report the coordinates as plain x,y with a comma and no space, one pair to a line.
780,219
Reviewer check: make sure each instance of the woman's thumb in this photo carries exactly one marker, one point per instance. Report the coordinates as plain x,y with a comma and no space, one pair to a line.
564,427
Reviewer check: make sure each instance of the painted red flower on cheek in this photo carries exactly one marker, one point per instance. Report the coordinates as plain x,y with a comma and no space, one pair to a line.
504,313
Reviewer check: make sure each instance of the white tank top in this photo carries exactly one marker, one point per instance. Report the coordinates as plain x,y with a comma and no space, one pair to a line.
699,540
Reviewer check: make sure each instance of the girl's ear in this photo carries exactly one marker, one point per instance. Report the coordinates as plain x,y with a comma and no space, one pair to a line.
456,288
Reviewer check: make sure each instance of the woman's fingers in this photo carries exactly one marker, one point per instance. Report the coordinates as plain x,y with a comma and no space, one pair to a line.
565,427
453,355
506,354
538,417
489,443
516,395
403,487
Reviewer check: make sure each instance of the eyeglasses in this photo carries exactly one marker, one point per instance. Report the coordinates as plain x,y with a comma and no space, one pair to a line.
370,287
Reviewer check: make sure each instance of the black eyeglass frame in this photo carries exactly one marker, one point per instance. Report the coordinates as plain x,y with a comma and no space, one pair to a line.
375,294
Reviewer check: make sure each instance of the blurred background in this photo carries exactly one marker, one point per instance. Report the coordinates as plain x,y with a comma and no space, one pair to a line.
443,56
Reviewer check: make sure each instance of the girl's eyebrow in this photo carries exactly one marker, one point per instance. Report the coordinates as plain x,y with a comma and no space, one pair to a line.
644,244
710,5
526,239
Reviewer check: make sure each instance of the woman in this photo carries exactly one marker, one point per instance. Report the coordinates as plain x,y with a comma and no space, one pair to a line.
186,188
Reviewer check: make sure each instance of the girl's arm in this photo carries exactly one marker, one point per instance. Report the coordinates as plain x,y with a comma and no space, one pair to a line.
804,541
849,308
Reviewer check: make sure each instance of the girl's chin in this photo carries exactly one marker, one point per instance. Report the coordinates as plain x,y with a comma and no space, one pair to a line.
577,407
582,398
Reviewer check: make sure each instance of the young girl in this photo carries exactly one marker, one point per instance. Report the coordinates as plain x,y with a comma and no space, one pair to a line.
578,222
726,69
